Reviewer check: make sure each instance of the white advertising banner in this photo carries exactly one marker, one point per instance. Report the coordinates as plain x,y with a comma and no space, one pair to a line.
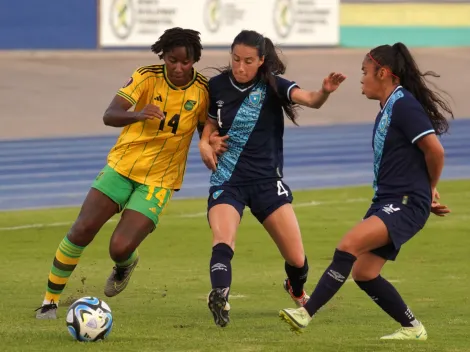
139,23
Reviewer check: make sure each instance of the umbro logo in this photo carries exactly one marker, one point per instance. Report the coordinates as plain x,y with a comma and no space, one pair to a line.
220,103
390,209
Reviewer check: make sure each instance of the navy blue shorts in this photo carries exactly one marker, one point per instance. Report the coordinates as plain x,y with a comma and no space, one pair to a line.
403,222
262,199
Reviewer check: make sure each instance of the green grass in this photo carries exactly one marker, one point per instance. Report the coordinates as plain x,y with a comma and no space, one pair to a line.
164,307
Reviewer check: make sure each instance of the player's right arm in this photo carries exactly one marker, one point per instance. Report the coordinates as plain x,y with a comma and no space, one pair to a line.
117,114
208,154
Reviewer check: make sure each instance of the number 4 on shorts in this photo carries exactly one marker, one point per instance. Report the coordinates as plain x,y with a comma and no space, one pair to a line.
160,195
281,190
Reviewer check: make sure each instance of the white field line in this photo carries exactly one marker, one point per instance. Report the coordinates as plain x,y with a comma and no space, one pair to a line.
183,215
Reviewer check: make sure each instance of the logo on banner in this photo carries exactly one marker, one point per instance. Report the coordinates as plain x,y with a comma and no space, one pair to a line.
213,15
283,17
122,18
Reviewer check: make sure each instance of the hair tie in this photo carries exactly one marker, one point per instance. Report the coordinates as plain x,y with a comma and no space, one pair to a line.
378,64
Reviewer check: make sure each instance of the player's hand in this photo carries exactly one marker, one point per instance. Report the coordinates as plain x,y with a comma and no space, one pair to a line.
208,155
150,112
218,144
437,208
332,82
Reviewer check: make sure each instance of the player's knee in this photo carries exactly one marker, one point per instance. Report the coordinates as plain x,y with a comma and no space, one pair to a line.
363,274
298,260
82,232
120,248
348,246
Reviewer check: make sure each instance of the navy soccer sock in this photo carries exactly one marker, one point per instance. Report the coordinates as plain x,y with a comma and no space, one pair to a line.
331,281
297,277
387,297
220,266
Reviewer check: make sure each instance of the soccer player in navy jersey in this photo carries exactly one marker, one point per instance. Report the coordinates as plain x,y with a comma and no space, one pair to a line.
408,161
247,105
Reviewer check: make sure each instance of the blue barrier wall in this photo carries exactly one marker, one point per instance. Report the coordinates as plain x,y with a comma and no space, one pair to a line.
50,24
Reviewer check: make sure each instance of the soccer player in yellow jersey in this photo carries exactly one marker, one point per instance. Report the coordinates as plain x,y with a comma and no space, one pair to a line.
145,166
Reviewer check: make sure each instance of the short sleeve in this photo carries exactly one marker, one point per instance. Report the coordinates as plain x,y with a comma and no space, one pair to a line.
204,107
284,87
409,116
133,89
212,99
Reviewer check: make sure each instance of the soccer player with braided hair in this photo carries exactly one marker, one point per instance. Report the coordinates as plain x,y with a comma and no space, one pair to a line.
408,161
144,167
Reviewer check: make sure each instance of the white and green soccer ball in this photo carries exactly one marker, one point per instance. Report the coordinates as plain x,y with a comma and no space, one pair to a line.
89,319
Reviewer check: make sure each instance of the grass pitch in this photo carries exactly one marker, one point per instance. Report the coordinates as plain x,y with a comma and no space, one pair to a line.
164,307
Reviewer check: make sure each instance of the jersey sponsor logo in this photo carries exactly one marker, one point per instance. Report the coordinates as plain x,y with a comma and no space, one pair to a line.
128,83
189,105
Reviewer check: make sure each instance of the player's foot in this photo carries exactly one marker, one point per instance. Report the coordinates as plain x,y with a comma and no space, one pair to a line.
298,318
219,307
299,301
47,311
408,333
119,279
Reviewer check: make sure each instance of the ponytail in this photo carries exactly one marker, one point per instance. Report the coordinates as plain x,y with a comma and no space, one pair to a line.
273,66
403,66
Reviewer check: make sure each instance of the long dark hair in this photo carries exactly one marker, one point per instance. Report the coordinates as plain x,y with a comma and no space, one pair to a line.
272,66
402,64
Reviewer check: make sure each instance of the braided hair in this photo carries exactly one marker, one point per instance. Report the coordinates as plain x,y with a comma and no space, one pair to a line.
179,37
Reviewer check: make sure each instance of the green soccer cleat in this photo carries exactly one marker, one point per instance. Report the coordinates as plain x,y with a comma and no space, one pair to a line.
298,318
408,333
119,279
47,311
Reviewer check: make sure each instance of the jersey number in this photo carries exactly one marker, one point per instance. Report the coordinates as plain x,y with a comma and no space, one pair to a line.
281,190
173,123
160,195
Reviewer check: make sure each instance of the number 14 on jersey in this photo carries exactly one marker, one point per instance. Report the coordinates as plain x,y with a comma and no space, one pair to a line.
172,123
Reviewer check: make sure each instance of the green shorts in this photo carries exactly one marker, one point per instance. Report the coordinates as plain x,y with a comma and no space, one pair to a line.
126,193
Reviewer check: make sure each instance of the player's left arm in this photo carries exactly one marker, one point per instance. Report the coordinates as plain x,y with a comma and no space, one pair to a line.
315,99
416,125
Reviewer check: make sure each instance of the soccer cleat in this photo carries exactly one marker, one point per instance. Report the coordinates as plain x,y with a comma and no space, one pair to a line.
299,301
119,279
47,311
408,333
298,318
219,307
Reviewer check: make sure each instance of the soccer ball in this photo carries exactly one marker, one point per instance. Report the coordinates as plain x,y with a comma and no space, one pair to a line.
89,319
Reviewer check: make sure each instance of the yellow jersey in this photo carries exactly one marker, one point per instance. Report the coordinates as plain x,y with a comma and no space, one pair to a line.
154,152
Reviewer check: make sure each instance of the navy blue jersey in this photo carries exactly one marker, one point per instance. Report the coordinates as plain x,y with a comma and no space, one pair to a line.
399,166
252,116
